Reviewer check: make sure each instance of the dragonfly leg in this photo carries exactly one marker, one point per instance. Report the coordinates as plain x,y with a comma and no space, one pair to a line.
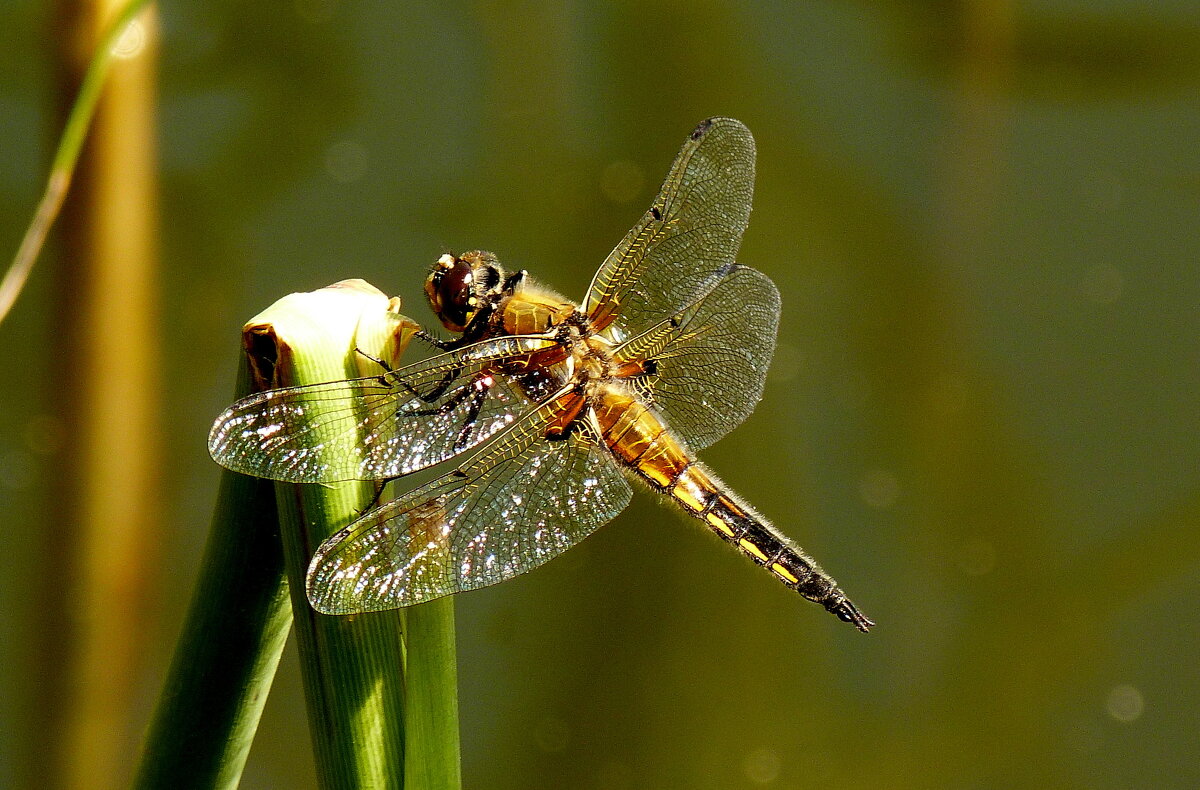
475,390
380,362
480,390
442,345
438,390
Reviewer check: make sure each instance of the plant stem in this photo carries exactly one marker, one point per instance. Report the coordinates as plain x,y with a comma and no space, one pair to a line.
431,718
381,687
230,646
98,603
382,703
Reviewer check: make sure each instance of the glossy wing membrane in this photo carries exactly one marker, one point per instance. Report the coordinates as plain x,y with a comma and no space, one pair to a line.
688,238
711,359
379,427
519,501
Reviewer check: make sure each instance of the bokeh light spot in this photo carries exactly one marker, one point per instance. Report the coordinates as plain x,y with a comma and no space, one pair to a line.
131,42
1125,703
879,489
622,181
761,766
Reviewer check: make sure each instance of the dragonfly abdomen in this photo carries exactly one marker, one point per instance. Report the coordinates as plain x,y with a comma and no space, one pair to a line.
642,441
735,522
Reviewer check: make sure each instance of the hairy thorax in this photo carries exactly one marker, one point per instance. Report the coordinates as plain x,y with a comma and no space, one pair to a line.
532,311
582,355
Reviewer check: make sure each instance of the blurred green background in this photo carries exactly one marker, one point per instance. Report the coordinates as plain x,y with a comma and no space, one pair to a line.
984,219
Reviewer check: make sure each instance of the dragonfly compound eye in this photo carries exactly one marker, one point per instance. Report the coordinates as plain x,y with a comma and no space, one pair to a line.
451,293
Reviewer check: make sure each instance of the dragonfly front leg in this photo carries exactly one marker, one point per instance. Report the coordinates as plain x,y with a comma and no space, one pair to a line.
438,390
476,392
441,345
382,484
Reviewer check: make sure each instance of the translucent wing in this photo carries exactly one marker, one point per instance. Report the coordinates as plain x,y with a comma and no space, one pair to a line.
379,427
519,501
688,238
711,359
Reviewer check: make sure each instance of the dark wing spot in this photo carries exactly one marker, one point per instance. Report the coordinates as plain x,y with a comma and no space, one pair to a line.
700,130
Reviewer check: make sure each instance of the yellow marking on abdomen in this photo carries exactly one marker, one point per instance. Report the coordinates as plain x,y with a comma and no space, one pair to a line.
731,506
784,573
625,418
627,426
716,521
750,548
693,489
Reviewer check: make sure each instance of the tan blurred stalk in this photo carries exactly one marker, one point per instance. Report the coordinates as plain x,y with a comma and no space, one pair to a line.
101,549
980,129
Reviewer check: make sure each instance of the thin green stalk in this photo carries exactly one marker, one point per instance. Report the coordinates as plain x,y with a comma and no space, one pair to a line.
65,159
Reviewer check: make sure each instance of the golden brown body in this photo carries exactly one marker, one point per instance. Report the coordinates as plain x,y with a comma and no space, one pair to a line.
640,439
643,443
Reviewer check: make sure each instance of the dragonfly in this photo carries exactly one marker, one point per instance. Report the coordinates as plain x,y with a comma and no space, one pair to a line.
544,410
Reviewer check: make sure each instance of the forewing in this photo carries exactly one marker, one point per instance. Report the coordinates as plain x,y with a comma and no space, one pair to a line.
710,360
518,502
688,238
375,428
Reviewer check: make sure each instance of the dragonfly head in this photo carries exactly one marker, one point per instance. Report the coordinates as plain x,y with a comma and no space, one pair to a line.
459,287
